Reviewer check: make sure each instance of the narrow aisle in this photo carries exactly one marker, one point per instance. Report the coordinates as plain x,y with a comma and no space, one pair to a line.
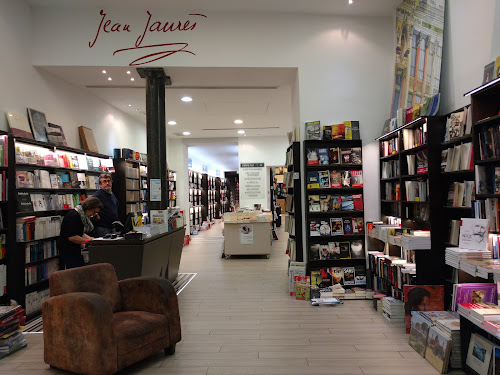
237,318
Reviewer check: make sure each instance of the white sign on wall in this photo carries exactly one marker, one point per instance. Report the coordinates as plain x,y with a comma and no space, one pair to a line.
252,180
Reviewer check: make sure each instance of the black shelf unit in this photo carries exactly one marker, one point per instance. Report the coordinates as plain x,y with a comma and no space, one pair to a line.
208,198
44,157
415,214
314,264
293,202
127,187
172,188
195,199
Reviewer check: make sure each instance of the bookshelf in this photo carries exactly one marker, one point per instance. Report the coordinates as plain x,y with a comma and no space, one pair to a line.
44,183
293,205
208,198
7,205
172,188
411,190
335,216
130,186
195,199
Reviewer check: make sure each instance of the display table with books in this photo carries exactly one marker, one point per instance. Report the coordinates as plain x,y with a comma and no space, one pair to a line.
247,233
158,255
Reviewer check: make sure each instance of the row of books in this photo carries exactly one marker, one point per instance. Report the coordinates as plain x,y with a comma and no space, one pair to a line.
337,250
136,207
3,185
489,142
392,191
289,157
131,171
417,191
461,194
488,209
12,320
346,130
393,309
42,179
290,225
334,155
4,160
394,270
327,277
457,158
332,203
390,169
336,226
389,147
415,137
42,271
487,179
27,202
334,179
27,154
34,300
30,228
35,251
458,124
417,163
127,153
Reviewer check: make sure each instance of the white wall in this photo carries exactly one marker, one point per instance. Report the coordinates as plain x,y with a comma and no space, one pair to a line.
471,41
268,150
23,86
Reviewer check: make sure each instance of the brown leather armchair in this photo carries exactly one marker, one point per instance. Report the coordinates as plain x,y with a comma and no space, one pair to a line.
95,324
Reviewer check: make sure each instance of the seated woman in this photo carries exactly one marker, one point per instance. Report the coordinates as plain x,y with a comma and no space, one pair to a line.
74,228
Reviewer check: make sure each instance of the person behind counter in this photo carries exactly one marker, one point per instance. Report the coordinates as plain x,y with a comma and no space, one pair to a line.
109,213
74,228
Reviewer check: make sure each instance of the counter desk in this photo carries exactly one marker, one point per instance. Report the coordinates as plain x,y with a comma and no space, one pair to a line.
158,255
247,238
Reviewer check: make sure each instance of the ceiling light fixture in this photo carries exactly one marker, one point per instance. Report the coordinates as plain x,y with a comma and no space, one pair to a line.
130,105
128,71
241,132
238,121
172,123
186,133
137,109
109,78
350,1
187,99
103,72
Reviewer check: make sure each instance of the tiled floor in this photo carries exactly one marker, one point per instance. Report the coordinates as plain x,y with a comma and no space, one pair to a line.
238,319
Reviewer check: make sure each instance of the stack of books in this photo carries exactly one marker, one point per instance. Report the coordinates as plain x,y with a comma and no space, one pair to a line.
12,320
393,310
454,255
471,310
349,294
334,291
325,301
451,329
417,240
359,293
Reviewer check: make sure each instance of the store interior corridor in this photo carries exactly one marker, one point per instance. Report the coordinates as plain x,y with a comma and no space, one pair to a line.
237,318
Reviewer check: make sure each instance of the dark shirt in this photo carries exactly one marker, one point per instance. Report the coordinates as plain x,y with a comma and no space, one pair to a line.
109,211
71,226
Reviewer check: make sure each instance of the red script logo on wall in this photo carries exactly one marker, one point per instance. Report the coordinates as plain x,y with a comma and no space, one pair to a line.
162,50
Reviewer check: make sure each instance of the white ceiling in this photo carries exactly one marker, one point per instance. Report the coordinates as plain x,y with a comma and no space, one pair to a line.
322,7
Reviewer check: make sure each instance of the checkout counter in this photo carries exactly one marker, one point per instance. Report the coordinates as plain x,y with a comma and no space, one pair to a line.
156,255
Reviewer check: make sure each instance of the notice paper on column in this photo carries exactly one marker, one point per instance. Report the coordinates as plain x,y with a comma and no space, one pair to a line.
155,190
246,234
474,234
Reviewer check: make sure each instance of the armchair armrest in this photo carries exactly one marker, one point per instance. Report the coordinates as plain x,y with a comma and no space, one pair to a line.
155,295
78,333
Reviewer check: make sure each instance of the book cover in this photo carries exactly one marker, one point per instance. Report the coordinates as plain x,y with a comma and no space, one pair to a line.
38,124
337,274
489,72
302,287
355,130
474,293
497,70
334,250
336,203
312,180
345,250
314,228
55,135
422,298
313,130
357,250
347,225
325,203
335,179
438,349
87,139
53,181
336,226
455,125
346,179
346,155
358,225
474,234
356,155
409,115
479,354
312,156
73,177
19,125
422,163
314,205
324,252
327,132
357,200
349,276
324,228
347,203
24,203
348,130
359,275
324,179
24,179
66,182
338,131
323,156
334,155
322,278
357,178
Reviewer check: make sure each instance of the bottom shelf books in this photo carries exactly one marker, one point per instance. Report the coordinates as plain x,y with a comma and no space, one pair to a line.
345,276
12,320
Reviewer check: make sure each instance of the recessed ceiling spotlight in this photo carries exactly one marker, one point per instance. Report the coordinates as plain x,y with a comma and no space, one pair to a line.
241,132
238,121
350,1
186,133
137,109
103,72
128,71
132,79
187,99
172,123
109,78
130,105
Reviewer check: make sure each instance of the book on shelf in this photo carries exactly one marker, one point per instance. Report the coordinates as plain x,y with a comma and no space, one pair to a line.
325,203
438,349
410,161
473,234
334,155
337,228
323,156
346,179
335,179
347,225
338,131
312,156
418,333
19,125
327,132
312,180
347,202
356,178
313,130
38,124
314,204
473,293
422,162
346,155
324,179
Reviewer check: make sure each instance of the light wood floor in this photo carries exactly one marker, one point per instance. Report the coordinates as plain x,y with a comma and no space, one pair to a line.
237,318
